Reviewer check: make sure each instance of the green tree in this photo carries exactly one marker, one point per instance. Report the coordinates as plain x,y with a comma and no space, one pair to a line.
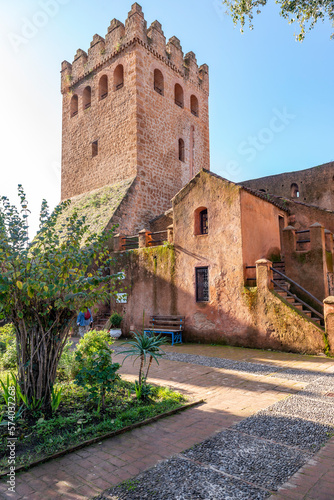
45,283
304,12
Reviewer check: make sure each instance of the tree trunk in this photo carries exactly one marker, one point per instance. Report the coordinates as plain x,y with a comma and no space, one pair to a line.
39,353
149,366
141,367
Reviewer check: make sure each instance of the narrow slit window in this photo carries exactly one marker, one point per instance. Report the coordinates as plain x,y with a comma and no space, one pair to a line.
103,87
294,190
74,105
95,148
158,82
202,284
194,105
87,98
178,94
181,150
119,77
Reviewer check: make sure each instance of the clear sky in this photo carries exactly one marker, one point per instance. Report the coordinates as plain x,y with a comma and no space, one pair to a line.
271,98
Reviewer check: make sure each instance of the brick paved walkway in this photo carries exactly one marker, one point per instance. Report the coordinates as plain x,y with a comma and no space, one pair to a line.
230,397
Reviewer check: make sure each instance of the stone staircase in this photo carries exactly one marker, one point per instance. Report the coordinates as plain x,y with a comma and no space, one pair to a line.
282,288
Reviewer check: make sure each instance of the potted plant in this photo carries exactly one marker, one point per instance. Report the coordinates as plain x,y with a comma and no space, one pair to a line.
115,323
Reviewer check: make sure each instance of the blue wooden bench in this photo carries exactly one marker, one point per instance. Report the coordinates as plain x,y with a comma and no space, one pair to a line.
167,325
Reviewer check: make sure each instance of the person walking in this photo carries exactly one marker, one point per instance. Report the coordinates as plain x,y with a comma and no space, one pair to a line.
84,321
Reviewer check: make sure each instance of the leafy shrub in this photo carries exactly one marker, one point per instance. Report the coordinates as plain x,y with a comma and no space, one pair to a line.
67,367
9,358
7,333
115,320
97,372
3,347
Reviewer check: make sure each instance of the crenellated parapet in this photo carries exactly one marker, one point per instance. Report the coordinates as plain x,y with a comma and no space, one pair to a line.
134,31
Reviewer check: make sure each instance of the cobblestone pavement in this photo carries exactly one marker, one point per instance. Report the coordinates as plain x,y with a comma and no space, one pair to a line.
247,441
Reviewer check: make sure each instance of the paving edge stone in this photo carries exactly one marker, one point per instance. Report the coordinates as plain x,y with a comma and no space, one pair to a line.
112,434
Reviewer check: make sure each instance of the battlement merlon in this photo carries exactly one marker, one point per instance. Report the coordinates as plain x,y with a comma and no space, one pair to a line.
156,38
95,51
120,36
66,76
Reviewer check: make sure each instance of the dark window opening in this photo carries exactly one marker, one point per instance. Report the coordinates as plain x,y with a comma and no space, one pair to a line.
119,77
262,190
181,150
103,87
204,221
158,82
74,105
178,95
294,190
87,98
194,105
202,284
95,148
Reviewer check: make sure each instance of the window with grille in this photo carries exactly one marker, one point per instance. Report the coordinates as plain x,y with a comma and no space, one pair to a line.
202,284
204,221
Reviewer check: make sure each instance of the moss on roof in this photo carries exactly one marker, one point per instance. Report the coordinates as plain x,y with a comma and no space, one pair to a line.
97,206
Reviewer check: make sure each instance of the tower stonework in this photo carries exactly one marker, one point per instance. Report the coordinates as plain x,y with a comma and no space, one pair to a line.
135,108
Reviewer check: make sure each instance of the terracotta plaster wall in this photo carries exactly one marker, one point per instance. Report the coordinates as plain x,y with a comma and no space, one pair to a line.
225,318
278,326
260,228
316,185
149,284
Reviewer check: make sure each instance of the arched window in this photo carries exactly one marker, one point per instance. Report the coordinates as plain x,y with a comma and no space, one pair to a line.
194,105
74,105
87,98
181,150
201,221
119,77
103,87
294,190
178,95
158,82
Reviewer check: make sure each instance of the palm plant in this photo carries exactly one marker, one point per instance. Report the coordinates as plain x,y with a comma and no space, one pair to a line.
143,346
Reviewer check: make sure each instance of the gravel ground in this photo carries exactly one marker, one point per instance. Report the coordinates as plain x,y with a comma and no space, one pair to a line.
305,408
260,462
179,479
288,430
242,366
253,458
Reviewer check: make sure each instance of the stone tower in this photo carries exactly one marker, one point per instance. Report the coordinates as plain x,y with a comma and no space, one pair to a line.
134,108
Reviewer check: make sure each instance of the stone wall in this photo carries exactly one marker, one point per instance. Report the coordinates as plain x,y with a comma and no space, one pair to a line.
139,125
315,185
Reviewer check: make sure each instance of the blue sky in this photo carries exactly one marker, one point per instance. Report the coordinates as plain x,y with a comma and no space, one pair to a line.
271,98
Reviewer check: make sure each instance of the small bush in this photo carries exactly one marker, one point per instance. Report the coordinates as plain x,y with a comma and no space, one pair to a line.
67,367
7,333
115,320
9,358
97,372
